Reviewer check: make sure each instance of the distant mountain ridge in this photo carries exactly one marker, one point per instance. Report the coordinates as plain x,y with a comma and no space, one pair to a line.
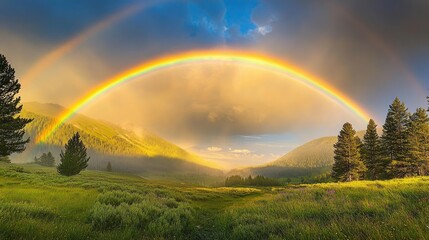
108,142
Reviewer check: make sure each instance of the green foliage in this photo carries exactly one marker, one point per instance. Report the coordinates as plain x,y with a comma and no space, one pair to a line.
46,159
74,159
5,159
11,124
393,140
348,165
109,167
278,172
321,178
418,143
259,180
159,217
371,153
17,169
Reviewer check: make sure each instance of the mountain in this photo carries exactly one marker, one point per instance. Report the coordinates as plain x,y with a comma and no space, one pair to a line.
314,154
311,158
126,150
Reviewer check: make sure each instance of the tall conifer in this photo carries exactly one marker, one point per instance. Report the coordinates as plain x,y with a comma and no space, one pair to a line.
348,165
418,143
393,140
370,153
11,124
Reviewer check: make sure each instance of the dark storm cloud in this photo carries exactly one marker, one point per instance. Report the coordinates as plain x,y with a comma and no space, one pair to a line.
361,47
54,21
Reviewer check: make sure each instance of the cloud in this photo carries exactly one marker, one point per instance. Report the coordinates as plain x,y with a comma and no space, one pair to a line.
214,149
264,30
373,44
241,151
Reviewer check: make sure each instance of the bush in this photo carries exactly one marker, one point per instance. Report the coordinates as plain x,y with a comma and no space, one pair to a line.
160,217
25,210
259,180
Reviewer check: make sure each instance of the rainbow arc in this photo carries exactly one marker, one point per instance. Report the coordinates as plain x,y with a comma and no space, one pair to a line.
263,62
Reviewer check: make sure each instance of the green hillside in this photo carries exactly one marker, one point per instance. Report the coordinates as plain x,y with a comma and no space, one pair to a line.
107,142
37,203
312,158
314,154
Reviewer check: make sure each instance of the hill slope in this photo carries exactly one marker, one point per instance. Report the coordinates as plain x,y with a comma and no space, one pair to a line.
311,158
107,142
313,154
316,153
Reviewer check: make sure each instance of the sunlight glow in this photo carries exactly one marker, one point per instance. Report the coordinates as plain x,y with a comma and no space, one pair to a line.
240,57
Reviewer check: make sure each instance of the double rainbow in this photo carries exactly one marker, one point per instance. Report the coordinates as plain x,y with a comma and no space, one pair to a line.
255,60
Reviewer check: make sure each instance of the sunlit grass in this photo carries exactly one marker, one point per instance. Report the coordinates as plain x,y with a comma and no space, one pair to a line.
396,209
37,203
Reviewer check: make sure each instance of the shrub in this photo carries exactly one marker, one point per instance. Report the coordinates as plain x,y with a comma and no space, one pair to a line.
159,217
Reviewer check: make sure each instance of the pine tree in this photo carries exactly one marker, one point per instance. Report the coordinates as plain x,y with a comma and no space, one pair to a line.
370,153
348,165
418,143
109,167
393,140
49,160
43,159
5,159
11,124
74,159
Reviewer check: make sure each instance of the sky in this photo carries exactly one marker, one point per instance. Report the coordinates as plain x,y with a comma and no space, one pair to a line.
230,113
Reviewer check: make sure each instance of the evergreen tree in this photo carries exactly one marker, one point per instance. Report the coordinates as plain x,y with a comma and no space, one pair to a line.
43,159
370,153
49,160
74,159
109,167
11,124
348,165
393,140
418,143
5,159
46,159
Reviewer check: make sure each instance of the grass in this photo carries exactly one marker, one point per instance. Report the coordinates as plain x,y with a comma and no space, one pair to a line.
37,203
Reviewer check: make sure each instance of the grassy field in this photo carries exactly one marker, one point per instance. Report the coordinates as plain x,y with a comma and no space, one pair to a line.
37,203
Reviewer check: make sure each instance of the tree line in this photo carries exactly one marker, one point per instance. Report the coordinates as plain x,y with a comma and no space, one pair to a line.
46,159
402,150
237,180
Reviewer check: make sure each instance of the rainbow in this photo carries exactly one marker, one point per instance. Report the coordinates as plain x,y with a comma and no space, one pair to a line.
260,61
45,62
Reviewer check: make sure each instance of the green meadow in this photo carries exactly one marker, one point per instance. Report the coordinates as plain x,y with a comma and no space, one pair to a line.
38,203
